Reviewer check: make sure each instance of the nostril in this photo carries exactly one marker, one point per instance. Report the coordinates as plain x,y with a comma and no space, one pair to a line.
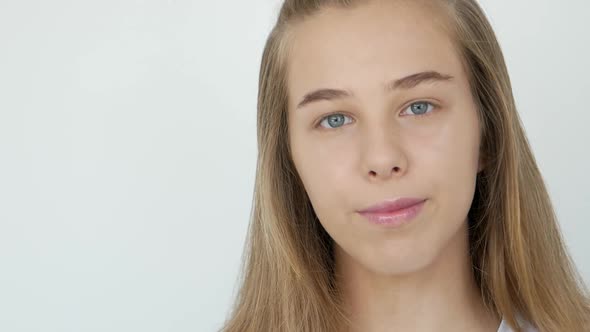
396,169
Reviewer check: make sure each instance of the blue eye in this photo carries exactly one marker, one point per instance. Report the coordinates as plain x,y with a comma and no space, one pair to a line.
334,121
337,120
420,107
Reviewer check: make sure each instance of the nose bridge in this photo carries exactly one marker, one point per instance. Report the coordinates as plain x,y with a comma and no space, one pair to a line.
383,152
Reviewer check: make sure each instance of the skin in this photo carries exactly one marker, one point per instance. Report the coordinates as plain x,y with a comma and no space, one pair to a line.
416,277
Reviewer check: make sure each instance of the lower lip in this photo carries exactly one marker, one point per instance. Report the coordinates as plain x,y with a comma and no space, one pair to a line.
395,218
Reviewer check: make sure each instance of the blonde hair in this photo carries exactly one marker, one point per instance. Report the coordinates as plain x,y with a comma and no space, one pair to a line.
518,255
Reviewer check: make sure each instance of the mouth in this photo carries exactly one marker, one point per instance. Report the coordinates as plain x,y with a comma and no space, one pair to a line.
394,213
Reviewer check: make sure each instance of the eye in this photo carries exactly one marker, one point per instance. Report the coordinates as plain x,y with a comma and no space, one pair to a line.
334,121
420,108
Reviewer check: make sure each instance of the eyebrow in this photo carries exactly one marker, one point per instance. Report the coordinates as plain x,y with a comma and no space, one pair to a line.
404,83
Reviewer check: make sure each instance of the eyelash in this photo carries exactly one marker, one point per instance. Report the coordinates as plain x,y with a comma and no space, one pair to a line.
434,108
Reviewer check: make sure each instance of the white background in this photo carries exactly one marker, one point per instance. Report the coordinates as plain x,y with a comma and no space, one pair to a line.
127,151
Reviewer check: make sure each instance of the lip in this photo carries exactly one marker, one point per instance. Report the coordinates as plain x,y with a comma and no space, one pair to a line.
393,212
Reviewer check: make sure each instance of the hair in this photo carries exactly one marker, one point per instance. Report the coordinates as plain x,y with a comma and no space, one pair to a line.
519,258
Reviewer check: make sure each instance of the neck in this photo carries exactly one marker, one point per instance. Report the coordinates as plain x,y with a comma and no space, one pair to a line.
443,296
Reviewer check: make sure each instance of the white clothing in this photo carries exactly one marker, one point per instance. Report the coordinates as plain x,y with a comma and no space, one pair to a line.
527,327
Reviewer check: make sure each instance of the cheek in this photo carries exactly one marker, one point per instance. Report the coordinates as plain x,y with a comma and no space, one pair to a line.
326,170
449,158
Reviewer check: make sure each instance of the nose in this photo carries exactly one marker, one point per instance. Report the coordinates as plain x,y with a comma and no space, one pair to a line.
383,155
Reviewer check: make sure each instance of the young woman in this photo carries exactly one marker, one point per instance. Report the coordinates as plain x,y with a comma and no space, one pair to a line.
395,187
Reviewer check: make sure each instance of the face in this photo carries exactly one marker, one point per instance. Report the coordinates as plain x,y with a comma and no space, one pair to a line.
403,125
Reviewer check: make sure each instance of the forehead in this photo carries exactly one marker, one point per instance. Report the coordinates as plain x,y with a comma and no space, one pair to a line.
360,48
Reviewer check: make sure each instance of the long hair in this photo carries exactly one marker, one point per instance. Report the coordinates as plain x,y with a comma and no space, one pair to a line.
519,259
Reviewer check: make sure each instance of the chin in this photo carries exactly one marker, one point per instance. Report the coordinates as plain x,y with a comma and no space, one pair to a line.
433,251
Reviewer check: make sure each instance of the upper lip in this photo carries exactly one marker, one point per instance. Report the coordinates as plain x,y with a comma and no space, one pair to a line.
392,205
